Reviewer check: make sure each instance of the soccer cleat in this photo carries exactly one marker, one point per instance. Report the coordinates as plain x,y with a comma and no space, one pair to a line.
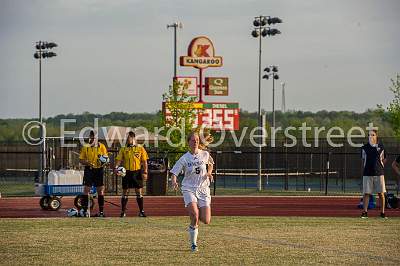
364,215
142,214
122,215
383,216
100,214
194,248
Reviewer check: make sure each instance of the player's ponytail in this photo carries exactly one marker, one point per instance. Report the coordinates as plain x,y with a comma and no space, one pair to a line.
205,139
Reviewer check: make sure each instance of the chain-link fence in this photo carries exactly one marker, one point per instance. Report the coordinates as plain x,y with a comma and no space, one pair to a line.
321,170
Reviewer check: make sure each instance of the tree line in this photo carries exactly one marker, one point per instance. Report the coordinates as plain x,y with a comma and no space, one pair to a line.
11,129
387,120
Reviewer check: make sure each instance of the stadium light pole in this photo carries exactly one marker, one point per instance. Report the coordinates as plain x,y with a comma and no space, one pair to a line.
283,84
42,51
175,25
274,76
262,30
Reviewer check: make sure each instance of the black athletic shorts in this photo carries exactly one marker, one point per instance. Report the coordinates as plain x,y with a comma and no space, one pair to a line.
93,176
132,179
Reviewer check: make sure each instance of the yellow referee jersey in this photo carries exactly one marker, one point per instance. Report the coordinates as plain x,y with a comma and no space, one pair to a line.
91,154
132,157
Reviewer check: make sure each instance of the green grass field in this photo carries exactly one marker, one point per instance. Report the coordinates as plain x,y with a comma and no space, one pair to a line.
228,240
10,189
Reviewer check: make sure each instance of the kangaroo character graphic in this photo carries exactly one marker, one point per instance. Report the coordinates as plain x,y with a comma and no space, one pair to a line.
201,50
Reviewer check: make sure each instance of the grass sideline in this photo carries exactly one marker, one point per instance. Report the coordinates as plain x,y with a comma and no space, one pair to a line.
228,240
15,189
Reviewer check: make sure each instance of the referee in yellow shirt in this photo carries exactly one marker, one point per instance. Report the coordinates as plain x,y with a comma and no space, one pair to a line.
134,160
93,173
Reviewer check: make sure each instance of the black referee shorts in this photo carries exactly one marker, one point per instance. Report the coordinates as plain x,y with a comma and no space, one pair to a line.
132,179
93,176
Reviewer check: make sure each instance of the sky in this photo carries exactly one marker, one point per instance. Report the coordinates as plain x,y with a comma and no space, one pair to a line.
117,56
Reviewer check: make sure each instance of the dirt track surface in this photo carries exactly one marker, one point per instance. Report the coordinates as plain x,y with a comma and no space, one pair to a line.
28,207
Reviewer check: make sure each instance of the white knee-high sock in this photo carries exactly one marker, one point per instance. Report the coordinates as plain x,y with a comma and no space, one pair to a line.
193,232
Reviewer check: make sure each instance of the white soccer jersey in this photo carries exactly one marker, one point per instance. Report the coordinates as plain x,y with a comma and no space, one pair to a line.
195,170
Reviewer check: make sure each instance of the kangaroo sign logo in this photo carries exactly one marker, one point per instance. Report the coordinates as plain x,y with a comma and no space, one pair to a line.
201,54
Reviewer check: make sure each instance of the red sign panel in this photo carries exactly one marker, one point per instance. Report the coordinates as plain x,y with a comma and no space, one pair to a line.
219,119
216,116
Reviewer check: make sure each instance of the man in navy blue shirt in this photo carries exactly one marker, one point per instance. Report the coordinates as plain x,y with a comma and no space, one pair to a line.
374,158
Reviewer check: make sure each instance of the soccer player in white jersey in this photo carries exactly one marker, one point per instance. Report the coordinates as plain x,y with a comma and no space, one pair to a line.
197,165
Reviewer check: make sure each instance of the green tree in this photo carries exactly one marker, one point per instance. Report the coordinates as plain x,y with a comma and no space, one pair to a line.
394,106
181,114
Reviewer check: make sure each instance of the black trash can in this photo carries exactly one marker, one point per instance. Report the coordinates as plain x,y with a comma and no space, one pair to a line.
157,178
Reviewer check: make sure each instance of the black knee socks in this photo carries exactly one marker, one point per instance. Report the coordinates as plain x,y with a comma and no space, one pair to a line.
84,202
139,200
124,201
101,202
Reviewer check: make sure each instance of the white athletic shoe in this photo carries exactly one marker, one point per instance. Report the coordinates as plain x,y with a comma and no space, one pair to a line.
194,248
